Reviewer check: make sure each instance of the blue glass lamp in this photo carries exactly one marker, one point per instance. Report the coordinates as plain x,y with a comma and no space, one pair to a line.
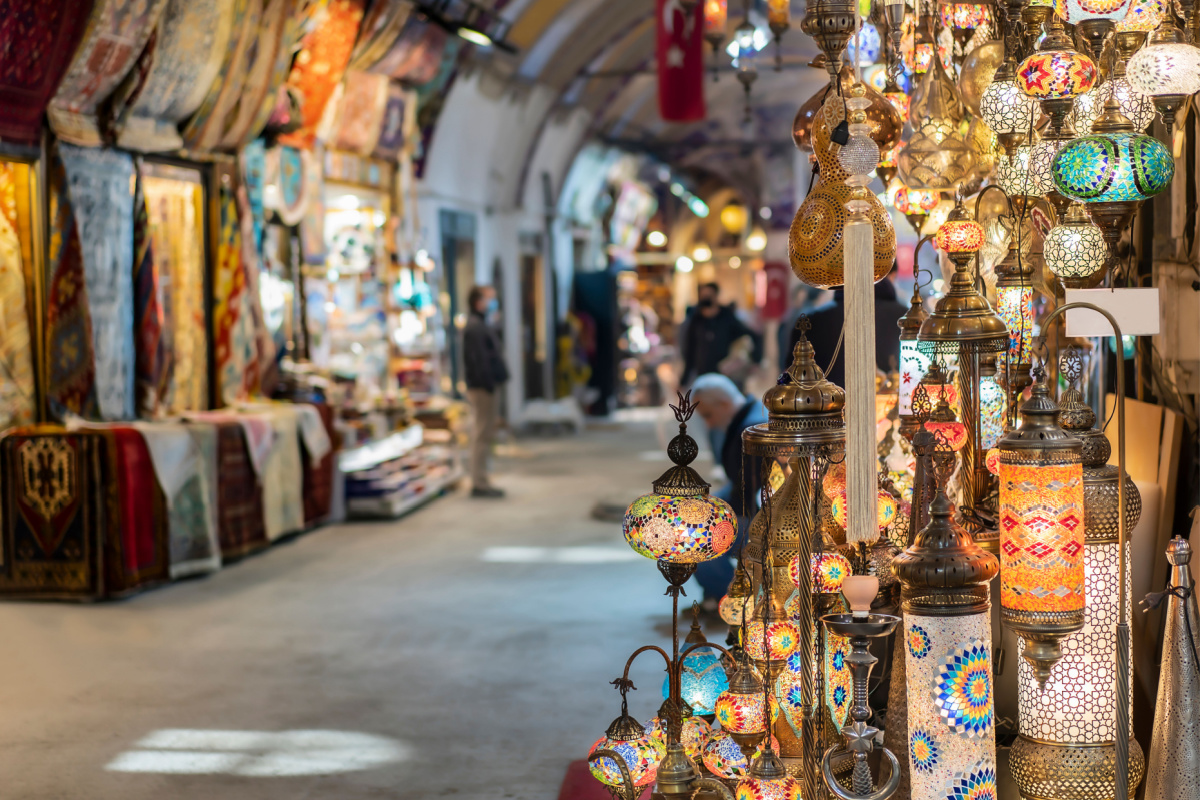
703,678
1112,172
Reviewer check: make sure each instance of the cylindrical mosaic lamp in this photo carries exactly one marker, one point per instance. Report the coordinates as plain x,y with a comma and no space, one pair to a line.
1041,532
1066,748
944,577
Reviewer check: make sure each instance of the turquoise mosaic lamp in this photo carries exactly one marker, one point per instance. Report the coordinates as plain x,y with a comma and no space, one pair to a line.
1112,172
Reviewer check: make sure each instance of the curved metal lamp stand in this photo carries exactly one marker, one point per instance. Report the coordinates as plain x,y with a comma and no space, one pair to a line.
1122,713
882,793
627,790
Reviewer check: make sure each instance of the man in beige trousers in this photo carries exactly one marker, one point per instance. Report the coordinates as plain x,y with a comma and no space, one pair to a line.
486,372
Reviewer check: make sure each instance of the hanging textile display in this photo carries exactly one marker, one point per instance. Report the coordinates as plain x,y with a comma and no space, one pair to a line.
380,27
399,118
51,517
37,40
117,32
17,385
233,334
150,357
360,113
283,476
416,55
266,67
192,41
71,364
203,131
321,63
312,226
287,170
253,163
174,207
99,183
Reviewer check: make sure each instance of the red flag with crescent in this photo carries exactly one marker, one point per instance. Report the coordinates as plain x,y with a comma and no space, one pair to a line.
680,55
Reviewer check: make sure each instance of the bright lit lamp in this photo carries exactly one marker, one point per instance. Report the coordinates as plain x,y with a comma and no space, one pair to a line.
656,238
702,678
734,218
701,253
684,264
757,240
1167,70
635,748
1075,250
1041,532
1007,110
1055,75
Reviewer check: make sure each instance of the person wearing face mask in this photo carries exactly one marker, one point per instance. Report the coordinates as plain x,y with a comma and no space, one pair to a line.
485,373
711,330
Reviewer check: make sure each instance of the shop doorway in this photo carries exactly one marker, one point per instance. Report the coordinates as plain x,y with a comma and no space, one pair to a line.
536,319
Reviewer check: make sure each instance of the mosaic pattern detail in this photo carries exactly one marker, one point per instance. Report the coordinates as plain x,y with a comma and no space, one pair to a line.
839,683
913,366
1041,536
682,530
781,640
1167,68
1005,108
918,642
951,734
703,681
992,461
740,713
789,694
992,402
641,758
867,44
1090,104
693,737
885,509
829,570
787,788
959,236
1078,704
1051,74
1143,15
966,16
732,609
923,750
964,689
723,758
1114,167
1079,10
979,783
1015,306
1075,251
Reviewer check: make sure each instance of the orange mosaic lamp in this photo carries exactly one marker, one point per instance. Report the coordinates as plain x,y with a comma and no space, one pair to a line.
959,234
1041,532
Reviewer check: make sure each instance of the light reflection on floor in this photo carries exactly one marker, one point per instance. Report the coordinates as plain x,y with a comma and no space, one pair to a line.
261,754
558,555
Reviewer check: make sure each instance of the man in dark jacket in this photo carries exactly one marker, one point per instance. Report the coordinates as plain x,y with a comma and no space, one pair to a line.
709,333
727,412
827,327
485,373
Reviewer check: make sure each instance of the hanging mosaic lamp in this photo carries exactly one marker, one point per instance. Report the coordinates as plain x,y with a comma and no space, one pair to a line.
959,235
723,756
1007,110
740,708
679,523
1055,75
767,779
963,19
1096,19
702,678
1041,532
693,736
1090,105
1112,171
1167,70
1075,250
1066,747
944,577
815,241
1143,16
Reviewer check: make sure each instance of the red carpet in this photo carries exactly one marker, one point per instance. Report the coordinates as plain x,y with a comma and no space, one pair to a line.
580,785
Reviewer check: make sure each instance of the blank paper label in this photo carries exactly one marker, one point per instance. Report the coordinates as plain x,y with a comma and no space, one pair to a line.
1136,311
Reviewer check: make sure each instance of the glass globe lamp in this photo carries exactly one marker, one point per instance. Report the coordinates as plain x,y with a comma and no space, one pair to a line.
1006,109
693,737
636,748
733,609
679,522
702,677
771,642
724,758
1112,166
1167,70
959,235
1012,173
741,713
1075,250
1143,15
1090,105
767,782
828,571
1055,75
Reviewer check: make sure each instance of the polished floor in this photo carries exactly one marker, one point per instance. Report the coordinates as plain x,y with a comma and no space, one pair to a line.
464,651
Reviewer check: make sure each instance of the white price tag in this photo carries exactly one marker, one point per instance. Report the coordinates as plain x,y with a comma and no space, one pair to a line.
1136,311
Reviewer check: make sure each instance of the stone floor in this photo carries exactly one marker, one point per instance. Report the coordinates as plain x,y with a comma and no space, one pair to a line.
464,651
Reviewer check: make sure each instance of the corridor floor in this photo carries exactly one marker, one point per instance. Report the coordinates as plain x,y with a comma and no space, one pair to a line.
464,651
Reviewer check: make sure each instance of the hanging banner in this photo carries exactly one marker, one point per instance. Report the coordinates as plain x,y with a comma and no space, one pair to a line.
680,56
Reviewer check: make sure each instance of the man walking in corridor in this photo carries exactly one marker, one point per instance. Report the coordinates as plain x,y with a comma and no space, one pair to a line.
485,373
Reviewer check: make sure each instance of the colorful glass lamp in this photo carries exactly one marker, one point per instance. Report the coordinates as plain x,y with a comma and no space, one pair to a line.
702,678
1041,532
680,524
1166,70
913,363
1055,75
1112,171
1006,109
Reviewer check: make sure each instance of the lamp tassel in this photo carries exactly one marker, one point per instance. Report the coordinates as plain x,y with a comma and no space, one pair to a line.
861,471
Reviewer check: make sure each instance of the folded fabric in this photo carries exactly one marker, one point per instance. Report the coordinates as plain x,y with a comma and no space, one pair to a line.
312,431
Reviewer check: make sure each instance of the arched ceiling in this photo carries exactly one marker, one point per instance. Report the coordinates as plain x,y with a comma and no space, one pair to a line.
599,54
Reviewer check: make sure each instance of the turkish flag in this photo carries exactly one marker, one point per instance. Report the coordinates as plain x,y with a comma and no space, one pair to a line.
680,56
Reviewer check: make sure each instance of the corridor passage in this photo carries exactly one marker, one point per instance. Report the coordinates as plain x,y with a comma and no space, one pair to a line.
464,651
